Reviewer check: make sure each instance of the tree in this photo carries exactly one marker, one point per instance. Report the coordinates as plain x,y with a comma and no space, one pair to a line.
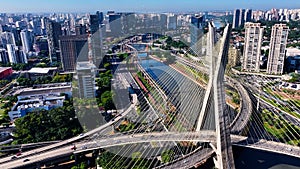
295,78
19,66
107,65
167,156
123,56
24,81
107,101
3,82
82,165
42,65
105,162
42,125
62,78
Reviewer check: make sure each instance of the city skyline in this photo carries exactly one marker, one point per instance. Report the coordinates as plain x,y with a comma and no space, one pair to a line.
15,6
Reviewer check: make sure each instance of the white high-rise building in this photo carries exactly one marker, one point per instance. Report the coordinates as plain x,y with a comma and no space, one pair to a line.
171,21
236,18
11,53
25,41
278,43
253,38
7,38
86,79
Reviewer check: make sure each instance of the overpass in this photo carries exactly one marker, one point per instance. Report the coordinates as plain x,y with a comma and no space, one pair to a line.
111,141
25,146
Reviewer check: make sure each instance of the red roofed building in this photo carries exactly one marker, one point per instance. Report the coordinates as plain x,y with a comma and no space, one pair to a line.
5,72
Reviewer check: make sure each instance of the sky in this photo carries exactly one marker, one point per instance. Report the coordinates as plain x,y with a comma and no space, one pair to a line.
140,5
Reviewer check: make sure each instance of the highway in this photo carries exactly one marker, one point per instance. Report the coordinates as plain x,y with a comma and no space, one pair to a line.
246,109
26,146
270,146
35,158
109,141
190,160
276,110
264,104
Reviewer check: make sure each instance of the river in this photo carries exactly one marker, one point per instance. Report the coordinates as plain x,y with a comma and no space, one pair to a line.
245,158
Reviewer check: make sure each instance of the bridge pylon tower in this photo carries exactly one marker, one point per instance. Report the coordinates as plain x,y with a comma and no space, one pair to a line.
214,104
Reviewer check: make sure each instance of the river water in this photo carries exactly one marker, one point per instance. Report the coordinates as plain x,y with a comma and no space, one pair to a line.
245,158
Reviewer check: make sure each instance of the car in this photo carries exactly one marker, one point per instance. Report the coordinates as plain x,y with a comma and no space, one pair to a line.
13,157
83,147
19,153
82,134
73,147
95,136
26,160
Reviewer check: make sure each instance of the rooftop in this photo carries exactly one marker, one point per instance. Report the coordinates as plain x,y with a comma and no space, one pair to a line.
41,70
85,65
292,51
4,68
35,101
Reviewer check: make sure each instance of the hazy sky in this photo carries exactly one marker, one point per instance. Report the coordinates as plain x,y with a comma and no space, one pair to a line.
140,5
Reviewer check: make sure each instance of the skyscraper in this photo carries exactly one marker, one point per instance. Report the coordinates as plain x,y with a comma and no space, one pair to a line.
163,21
196,28
248,15
100,17
80,29
25,41
278,43
53,33
94,23
86,79
4,56
36,25
240,17
7,38
72,49
234,56
253,38
95,40
236,18
20,55
171,21
43,25
115,24
11,53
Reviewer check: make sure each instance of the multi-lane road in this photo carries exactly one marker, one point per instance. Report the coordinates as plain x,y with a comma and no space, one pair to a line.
256,92
203,136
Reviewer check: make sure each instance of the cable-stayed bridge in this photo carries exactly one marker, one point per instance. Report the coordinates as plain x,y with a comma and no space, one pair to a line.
180,111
